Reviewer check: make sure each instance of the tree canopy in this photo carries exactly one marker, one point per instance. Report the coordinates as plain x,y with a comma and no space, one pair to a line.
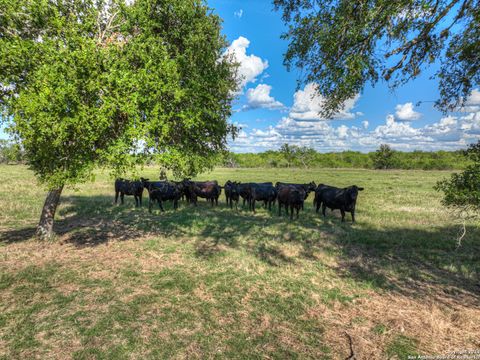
342,45
93,82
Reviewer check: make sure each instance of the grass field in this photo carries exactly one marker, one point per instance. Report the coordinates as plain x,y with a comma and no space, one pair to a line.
120,283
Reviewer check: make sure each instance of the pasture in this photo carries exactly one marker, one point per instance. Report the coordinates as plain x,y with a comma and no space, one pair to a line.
203,282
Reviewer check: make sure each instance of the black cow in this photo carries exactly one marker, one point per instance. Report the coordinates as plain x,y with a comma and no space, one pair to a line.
159,184
290,196
129,187
162,191
245,191
335,198
262,192
231,193
308,188
209,190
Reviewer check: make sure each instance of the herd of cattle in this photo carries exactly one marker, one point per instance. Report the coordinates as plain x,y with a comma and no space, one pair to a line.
286,194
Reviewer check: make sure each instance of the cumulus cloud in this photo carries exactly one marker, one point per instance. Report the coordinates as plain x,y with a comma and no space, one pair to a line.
405,112
238,14
304,127
472,103
251,66
259,97
449,133
307,104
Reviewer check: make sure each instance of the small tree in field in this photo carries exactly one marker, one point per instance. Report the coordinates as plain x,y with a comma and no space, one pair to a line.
383,157
462,190
92,82
289,153
306,156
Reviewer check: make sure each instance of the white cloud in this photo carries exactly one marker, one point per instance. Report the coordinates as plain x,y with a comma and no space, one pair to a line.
238,13
251,66
259,97
474,98
303,127
449,133
472,104
342,132
405,112
307,105
393,129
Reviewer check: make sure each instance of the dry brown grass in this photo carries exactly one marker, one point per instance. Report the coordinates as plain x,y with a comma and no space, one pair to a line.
439,329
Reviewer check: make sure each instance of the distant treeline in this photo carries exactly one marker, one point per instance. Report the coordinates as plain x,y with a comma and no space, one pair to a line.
303,157
421,160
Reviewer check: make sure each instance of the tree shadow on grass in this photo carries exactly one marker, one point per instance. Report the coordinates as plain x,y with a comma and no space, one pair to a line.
415,262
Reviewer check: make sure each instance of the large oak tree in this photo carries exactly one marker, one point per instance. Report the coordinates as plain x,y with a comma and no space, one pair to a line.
85,83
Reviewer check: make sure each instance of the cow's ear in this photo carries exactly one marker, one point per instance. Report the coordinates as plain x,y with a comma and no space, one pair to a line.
360,189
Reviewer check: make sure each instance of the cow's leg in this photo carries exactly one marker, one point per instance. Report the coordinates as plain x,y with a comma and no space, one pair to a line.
160,205
116,197
291,212
353,216
318,206
253,205
121,197
175,204
150,204
298,210
140,197
279,208
343,215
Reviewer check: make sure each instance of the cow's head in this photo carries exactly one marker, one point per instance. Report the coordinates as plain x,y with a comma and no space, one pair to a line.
311,187
180,186
352,192
234,189
145,182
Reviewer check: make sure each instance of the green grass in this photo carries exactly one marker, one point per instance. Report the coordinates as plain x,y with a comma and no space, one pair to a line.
207,282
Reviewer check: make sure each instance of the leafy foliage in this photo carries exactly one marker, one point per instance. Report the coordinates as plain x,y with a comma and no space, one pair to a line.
383,157
295,154
10,152
342,45
95,82
462,190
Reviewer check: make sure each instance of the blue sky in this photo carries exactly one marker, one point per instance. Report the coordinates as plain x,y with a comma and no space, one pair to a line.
271,111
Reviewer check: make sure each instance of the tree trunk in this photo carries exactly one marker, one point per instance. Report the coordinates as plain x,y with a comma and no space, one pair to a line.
45,225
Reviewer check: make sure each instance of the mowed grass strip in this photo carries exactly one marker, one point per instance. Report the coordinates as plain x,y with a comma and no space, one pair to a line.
218,283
